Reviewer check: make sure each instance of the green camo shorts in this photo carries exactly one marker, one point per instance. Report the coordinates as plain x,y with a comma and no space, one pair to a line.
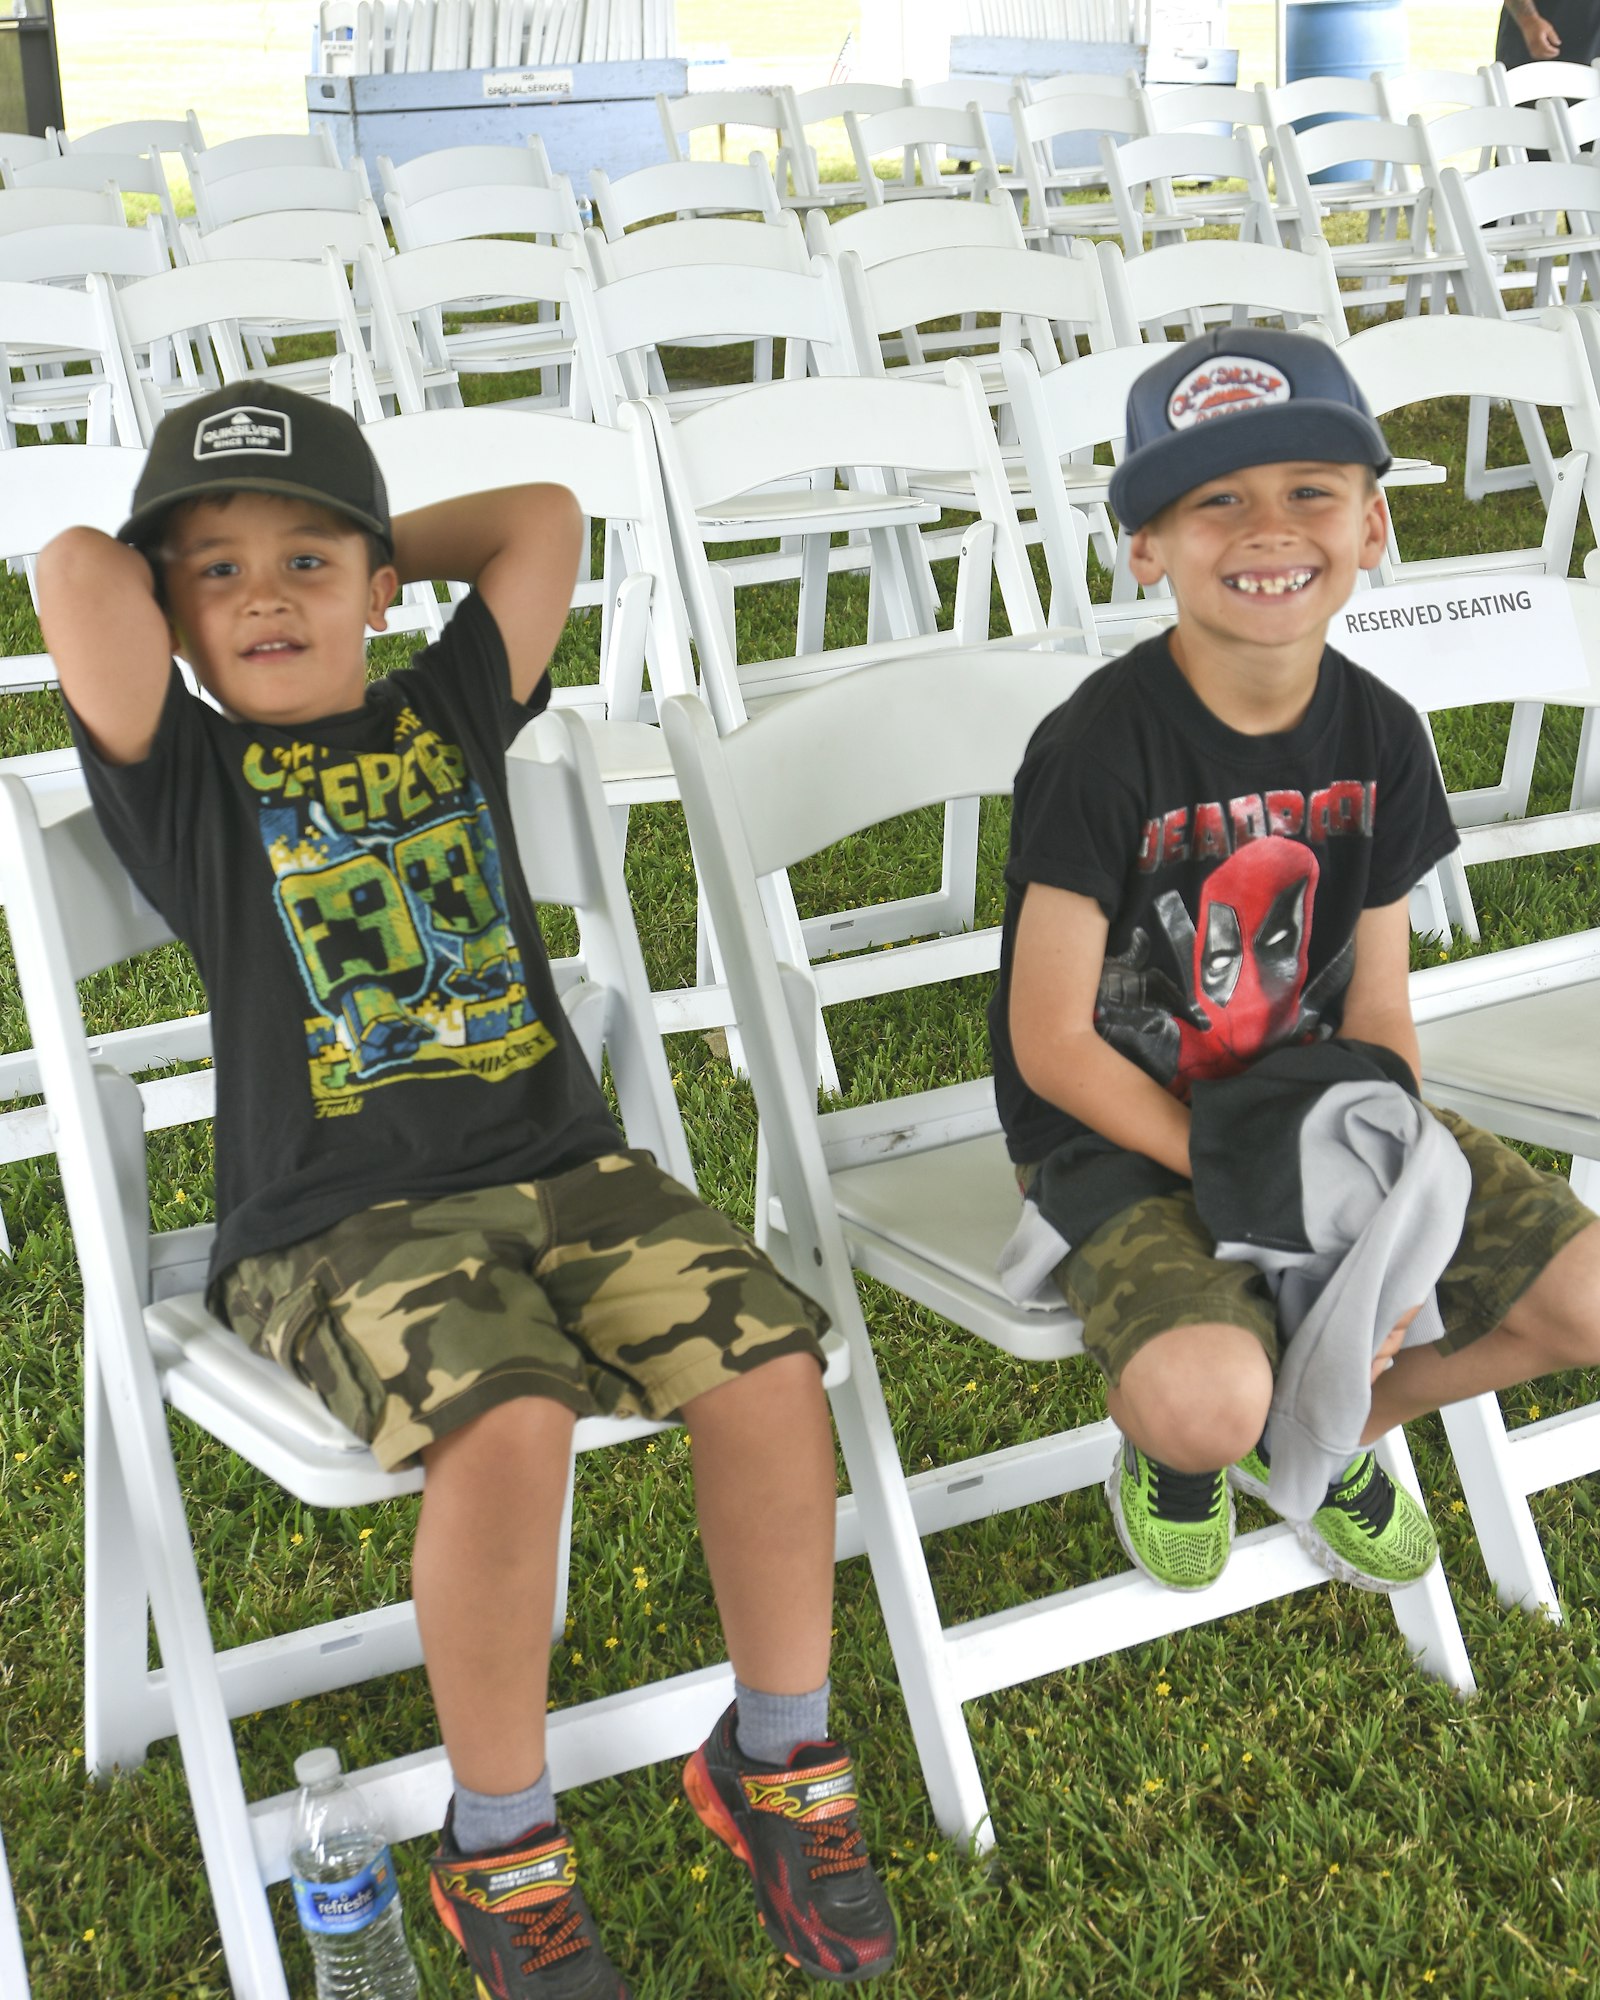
610,1289
1151,1267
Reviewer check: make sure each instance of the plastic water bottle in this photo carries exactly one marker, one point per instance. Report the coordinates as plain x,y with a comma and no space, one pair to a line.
345,1890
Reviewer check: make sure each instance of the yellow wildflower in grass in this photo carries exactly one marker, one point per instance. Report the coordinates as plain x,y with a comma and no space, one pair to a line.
1163,1689
661,1628
577,1658
697,1872
67,1478
1427,1977
612,1642
1154,1784
1458,1506
640,1580
1248,1757
88,1936
1333,1868
1533,1412
933,1856
295,1540
365,1535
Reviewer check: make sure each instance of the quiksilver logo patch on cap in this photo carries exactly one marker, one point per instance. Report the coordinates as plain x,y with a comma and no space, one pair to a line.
1225,386
244,431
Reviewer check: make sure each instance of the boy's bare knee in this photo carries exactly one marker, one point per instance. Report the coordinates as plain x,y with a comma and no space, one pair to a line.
523,1436
1195,1397
788,1381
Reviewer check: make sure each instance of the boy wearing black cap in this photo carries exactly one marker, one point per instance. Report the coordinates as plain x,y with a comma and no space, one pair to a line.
1213,843
425,1209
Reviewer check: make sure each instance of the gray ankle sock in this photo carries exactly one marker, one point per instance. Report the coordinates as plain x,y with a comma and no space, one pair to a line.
485,1821
771,1726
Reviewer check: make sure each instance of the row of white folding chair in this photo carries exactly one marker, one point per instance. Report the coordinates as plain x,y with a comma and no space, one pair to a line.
920,138
130,173
255,152
683,189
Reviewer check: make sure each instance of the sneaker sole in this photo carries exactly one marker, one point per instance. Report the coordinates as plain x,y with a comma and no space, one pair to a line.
1114,1502
1343,1571
703,1795
1246,1483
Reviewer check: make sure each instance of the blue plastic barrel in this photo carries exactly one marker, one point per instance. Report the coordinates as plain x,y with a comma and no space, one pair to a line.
1344,38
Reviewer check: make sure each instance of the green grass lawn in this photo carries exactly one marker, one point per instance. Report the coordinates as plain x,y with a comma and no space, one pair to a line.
1278,1805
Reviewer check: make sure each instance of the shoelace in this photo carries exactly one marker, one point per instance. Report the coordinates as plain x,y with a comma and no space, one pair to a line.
1183,1496
551,1931
1372,1505
835,1847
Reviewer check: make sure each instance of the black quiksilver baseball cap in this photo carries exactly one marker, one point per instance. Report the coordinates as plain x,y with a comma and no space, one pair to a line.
257,437
1235,397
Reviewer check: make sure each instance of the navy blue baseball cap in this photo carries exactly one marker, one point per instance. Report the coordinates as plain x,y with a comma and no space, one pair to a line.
1238,396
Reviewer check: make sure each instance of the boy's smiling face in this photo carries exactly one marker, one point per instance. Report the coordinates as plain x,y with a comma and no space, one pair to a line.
1265,556
269,598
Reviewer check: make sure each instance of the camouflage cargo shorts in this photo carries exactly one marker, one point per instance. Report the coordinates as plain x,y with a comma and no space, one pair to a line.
1151,1267
610,1289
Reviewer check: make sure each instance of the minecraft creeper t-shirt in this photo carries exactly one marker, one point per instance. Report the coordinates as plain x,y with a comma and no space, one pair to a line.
384,1020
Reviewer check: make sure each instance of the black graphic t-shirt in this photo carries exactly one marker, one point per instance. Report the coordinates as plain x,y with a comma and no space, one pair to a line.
384,1020
1232,868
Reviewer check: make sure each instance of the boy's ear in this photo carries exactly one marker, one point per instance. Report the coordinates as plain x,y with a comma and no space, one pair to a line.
384,583
1374,529
1145,560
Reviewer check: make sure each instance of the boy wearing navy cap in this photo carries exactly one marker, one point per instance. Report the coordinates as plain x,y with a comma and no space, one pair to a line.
1213,844
425,1208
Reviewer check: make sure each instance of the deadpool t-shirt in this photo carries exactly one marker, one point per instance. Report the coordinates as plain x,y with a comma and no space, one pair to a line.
1232,869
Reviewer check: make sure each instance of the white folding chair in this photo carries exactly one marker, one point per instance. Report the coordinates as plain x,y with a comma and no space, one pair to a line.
1409,361
69,252
1135,168
231,302
301,234
271,190
23,148
806,111
922,138
901,229
152,1343
1079,119
917,1193
137,135
421,363
753,110
43,330
1306,103
60,208
1394,268
1432,91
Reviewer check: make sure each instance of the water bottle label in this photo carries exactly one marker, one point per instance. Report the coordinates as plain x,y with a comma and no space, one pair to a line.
337,1908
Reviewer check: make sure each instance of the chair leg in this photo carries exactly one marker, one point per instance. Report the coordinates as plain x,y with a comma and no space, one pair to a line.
1424,1613
1501,1518
905,1595
121,1720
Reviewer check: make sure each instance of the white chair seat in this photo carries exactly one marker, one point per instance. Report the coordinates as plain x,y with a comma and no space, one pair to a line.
934,1223
630,752
840,510
1535,1060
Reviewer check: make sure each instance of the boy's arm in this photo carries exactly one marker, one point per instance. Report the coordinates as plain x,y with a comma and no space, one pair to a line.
108,637
1055,975
519,547
1377,1004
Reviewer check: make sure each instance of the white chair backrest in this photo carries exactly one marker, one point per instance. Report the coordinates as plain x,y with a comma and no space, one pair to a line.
257,150
1315,96
684,188
298,233
1493,130
904,228
706,239
1530,81
493,208
1069,116
1175,284
1431,91
833,100
1579,124
133,173
70,252
23,148
449,167
60,208
924,135
137,135
1081,83
270,190
1206,104
1033,295
760,110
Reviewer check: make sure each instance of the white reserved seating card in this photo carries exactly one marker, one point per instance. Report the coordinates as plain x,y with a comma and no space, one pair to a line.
1452,641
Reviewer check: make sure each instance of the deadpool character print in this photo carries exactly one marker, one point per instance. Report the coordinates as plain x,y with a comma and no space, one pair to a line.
1242,962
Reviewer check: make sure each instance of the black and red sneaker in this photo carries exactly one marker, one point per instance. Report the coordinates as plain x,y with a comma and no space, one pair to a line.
795,1827
522,1921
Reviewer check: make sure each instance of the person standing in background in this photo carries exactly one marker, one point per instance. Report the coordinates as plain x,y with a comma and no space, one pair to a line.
1569,29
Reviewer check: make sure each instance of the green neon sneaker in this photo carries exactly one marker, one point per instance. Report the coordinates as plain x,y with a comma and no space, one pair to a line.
1175,1526
1370,1532
1251,1473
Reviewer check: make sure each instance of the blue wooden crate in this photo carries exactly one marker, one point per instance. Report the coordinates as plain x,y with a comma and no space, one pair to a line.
596,114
